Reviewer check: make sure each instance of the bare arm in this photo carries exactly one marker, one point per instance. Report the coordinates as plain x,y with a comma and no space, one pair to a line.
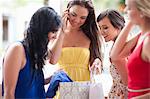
55,46
12,65
122,48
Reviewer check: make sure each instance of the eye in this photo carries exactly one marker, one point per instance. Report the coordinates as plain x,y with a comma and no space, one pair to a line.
83,18
105,27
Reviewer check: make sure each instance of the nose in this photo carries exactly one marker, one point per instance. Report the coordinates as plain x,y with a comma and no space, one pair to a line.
102,32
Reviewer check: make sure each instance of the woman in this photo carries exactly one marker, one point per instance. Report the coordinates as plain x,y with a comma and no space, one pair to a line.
23,62
138,63
77,47
111,23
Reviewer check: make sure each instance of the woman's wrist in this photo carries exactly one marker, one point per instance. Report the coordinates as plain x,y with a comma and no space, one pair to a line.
61,34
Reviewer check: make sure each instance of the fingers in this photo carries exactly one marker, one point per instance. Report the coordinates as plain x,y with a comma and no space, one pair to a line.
65,12
64,19
96,66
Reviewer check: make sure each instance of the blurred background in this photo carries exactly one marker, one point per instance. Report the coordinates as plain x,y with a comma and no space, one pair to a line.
15,15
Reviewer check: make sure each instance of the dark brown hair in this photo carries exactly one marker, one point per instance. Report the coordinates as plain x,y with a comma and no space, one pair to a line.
115,18
90,28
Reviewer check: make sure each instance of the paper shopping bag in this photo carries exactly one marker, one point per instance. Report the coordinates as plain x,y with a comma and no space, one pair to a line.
96,91
74,90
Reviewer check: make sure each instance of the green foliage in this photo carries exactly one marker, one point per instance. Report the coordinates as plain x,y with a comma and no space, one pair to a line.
122,1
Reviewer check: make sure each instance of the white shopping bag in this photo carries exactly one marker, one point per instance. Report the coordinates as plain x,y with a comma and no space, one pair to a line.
96,90
82,90
74,90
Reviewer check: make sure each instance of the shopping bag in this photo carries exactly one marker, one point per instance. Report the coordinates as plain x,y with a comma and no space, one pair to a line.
74,90
82,90
95,90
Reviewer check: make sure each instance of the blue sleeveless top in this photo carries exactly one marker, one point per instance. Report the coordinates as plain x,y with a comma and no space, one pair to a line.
30,82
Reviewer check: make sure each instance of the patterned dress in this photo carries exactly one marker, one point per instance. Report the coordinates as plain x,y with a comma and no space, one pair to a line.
118,89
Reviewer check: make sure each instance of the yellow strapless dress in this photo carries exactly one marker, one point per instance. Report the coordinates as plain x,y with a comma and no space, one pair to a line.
75,62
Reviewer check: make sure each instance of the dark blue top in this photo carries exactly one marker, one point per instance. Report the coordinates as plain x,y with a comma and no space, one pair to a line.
30,82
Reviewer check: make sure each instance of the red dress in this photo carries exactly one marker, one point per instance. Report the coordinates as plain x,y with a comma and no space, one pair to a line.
138,73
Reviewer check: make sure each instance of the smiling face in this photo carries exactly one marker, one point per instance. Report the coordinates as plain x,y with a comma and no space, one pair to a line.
108,31
77,16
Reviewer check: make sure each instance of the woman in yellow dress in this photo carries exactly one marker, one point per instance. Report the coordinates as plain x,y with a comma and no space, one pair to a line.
77,45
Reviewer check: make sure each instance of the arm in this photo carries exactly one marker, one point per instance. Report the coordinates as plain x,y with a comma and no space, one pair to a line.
55,46
122,48
12,65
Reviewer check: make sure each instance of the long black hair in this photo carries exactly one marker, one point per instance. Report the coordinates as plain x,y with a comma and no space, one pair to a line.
43,21
90,28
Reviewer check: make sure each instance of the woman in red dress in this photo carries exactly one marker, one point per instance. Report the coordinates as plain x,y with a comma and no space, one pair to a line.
138,63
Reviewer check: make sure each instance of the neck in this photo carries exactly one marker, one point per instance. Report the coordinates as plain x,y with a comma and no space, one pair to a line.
72,29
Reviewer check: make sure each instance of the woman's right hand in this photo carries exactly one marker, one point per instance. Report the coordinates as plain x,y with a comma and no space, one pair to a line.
96,66
65,20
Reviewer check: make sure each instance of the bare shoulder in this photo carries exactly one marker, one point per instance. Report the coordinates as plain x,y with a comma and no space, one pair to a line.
14,56
15,52
16,48
146,47
146,44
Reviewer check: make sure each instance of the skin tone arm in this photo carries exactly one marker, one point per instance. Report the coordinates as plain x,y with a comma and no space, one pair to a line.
56,45
122,48
13,62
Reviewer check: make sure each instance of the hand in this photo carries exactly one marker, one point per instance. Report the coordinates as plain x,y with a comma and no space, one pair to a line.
64,20
96,66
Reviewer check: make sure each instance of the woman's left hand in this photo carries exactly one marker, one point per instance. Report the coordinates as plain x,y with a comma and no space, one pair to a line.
96,66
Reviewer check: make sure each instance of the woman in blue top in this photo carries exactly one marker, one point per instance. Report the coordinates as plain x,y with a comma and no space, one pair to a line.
23,62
